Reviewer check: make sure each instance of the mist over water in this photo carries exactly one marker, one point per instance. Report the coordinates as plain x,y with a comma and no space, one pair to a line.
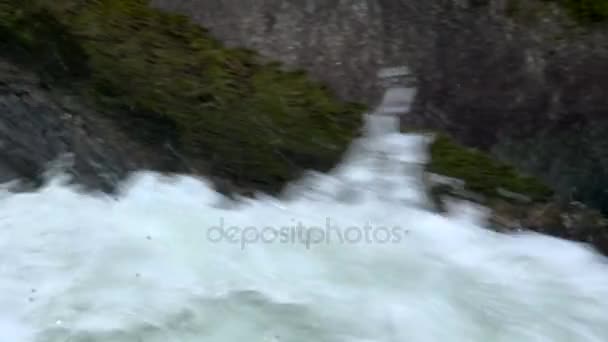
171,260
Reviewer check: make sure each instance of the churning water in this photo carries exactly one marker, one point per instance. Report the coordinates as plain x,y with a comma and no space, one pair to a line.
348,256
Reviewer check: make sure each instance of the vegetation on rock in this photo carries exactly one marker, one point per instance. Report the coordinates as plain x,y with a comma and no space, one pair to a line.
585,12
537,210
481,173
252,121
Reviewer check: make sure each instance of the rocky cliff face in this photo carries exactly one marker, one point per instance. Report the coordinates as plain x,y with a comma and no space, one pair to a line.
526,84
162,81
522,79
343,43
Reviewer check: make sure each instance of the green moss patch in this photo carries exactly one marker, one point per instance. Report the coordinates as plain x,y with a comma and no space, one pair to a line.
481,173
36,38
252,121
584,12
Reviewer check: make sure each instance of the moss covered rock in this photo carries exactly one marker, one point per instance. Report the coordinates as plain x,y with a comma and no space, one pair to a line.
251,121
37,39
516,202
481,173
585,12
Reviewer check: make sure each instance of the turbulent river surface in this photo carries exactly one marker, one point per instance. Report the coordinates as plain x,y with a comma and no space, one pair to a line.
347,256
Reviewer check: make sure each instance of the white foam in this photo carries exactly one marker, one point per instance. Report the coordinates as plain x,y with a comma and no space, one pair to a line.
148,267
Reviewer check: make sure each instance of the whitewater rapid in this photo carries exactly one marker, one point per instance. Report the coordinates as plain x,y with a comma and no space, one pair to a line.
348,256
